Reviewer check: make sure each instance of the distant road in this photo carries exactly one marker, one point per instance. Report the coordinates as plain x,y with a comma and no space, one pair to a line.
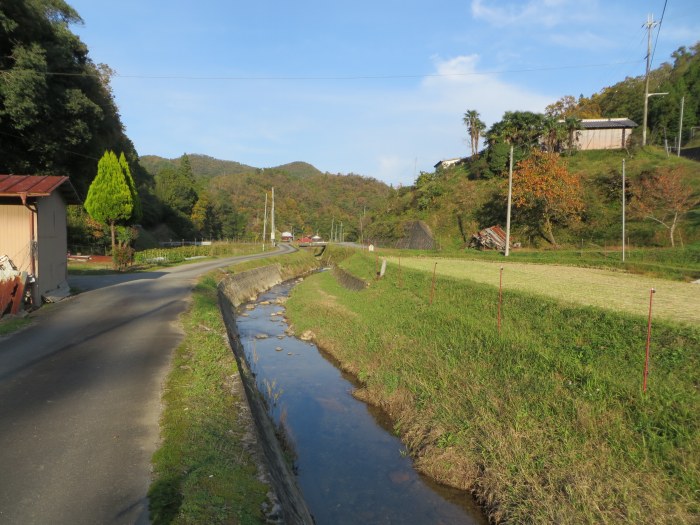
80,397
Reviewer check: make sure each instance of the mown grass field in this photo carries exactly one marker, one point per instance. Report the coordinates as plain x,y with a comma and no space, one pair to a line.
546,421
617,291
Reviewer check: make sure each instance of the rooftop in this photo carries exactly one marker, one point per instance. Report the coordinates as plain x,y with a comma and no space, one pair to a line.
37,186
603,123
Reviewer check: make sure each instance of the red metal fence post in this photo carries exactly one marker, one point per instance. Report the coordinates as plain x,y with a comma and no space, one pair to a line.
646,357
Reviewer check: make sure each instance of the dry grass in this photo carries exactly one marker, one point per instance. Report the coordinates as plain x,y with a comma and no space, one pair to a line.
674,301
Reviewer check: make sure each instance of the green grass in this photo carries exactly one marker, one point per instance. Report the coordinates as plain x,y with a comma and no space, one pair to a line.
546,421
151,259
9,325
180,254
205,470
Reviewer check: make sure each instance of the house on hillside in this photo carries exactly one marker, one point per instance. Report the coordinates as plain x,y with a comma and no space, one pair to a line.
448,163
604,133
33,229
287,237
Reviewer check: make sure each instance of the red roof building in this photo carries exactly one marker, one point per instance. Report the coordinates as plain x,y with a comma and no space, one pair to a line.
33,228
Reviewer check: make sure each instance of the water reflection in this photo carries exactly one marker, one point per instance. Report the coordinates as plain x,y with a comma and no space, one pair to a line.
350,468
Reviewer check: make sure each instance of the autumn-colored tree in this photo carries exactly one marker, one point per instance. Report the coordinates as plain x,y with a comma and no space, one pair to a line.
568,106
661,196
546,193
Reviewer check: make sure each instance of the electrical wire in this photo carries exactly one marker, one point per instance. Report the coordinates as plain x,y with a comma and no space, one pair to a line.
348,77
663,12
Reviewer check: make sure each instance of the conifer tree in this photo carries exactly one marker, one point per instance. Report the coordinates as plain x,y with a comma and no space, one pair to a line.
109,199
138,211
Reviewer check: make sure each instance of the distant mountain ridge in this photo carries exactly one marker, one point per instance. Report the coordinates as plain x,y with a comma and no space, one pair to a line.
307,200
206,167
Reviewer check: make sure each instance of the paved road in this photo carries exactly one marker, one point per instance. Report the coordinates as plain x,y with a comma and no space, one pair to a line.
80,398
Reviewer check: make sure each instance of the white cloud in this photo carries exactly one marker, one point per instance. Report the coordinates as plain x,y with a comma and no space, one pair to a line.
547,13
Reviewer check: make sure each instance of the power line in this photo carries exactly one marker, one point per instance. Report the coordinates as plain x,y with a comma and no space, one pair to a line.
341,77
59,149
661,21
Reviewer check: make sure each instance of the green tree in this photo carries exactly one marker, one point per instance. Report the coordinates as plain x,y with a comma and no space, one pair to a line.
57,113
204,218
523,129
109,199
138,212
176,187
571,125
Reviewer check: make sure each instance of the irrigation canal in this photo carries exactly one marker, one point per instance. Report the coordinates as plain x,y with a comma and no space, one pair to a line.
350,467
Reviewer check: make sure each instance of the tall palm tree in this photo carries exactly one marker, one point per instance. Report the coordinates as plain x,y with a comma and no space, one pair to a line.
474,126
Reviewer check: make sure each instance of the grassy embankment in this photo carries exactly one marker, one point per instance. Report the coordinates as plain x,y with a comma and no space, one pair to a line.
206,470
546,421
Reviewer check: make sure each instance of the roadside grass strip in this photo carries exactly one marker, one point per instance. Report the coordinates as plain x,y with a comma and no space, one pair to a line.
205,470
673,301
545,422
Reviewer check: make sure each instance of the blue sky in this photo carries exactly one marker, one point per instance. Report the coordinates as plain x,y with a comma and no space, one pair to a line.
376,88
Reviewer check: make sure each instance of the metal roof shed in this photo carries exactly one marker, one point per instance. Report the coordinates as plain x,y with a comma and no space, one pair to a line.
605,133
33,229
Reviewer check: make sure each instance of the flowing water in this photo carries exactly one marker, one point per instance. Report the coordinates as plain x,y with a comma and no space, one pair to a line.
349,465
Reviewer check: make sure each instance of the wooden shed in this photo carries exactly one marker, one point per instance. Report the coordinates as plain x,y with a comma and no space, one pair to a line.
33,229
604,133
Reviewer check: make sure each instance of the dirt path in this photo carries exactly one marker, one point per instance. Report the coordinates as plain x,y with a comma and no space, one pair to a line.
673,300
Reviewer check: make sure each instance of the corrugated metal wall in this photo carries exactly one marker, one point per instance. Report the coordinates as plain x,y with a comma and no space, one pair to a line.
15,234
601,139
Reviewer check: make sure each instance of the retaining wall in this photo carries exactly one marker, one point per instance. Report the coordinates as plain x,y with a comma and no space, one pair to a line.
348,280
233,291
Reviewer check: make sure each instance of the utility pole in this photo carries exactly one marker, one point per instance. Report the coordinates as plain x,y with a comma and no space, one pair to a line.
680,126
332,226
623,210
650,24
510,198
362,219
265,223
272,219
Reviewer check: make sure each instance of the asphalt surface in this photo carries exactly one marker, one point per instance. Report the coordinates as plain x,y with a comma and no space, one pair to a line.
80,398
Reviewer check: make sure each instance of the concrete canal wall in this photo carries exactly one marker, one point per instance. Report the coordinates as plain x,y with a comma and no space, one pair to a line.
233,291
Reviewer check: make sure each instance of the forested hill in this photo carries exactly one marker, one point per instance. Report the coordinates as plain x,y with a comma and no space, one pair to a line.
206,167
203,166
215,193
